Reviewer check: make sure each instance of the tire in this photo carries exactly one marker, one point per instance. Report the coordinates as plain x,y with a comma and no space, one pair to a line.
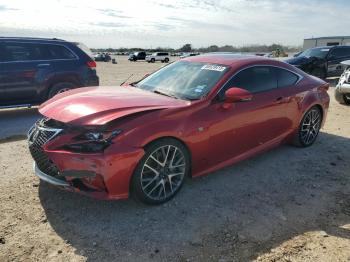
156,179
309,128
166,60
342,98
60,88
319,72
153,60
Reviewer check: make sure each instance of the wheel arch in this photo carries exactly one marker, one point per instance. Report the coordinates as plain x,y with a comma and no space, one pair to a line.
146,145
71,78
174,138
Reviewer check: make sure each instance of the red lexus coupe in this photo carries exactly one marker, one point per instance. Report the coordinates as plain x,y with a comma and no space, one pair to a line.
189,118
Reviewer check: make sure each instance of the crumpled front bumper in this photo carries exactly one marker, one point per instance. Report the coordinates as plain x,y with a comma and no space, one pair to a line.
70,185
50,179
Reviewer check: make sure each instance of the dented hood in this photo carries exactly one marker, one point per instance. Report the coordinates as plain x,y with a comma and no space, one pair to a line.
99,105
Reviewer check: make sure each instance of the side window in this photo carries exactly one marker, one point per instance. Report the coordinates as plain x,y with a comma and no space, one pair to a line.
16,52
340,52
255,79
59,52
347,51
3,55
286,78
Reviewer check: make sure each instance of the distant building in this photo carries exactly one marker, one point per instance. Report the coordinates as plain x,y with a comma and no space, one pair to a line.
326,41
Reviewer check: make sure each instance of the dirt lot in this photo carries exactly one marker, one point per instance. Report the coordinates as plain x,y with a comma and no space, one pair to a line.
288,204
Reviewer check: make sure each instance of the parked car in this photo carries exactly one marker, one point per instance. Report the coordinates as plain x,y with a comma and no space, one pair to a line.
342,90
137,56
189,118
158,56
322,62
188,54
103,57
33,70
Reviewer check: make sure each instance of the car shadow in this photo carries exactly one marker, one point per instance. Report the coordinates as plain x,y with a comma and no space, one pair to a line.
241,211
15,122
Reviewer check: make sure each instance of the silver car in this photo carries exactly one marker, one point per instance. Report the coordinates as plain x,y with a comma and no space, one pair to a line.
342,90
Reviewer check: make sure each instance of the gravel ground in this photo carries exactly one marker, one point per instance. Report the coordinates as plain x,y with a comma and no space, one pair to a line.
289,204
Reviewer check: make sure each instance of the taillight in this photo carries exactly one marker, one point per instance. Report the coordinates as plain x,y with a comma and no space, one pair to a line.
324,87
91,64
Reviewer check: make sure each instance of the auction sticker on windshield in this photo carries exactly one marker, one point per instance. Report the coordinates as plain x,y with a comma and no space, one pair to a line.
213,68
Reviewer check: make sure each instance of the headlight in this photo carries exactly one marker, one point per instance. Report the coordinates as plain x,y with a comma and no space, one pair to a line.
92,142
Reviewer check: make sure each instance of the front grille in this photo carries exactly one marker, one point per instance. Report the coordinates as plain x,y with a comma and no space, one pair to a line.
38,136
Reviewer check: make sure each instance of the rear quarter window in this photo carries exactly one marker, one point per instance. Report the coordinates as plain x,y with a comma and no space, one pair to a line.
286,78
60,52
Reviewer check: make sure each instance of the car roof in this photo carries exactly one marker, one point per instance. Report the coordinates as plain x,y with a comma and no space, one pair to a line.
228,59
31,39
329,47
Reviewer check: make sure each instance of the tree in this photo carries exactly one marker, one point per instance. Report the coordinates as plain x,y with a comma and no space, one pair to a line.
186,48
213,48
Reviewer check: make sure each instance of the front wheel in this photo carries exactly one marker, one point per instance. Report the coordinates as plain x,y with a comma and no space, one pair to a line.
153,60
161,172
309,128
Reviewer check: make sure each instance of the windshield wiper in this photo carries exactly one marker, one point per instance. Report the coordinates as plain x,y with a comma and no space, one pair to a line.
165,94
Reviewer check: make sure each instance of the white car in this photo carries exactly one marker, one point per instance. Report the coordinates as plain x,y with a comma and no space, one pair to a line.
158,56
342,90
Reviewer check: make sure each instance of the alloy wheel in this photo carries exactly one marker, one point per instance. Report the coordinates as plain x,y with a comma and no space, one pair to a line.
310,126
163,172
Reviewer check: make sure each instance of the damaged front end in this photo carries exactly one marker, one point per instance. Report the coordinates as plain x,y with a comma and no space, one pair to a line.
58,152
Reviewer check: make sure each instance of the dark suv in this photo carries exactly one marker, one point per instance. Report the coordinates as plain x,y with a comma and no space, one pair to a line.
322,62
137,56
33,70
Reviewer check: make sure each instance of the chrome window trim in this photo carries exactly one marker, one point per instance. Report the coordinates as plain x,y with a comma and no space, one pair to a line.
41,60
300,76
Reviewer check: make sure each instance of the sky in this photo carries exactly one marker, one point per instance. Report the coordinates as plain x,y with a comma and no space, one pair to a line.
154,23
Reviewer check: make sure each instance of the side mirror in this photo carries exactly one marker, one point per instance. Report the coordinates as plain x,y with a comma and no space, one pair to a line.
235,94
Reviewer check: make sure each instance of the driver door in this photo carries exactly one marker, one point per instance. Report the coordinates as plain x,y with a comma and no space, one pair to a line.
246,126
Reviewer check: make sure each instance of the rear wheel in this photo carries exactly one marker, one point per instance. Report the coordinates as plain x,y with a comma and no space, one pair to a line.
309,128
166,60
60,88
161,172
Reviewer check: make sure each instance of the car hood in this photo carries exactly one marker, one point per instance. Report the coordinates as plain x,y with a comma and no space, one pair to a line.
99,105
300,60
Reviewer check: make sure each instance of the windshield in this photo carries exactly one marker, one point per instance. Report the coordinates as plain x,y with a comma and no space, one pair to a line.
183,79
316,52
